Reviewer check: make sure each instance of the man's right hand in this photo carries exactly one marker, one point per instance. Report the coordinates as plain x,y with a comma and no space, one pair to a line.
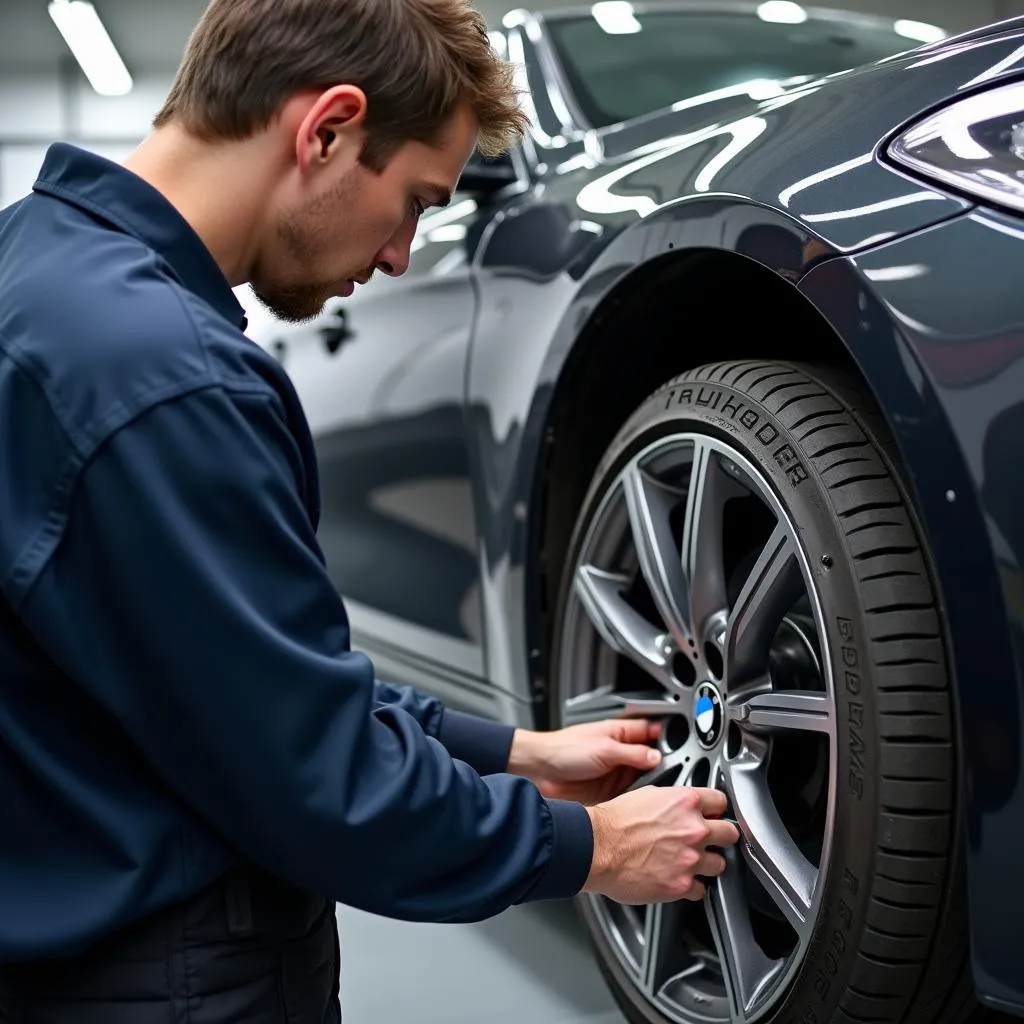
651,844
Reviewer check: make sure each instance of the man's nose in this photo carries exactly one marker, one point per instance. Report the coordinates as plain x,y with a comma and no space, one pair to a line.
393,259
393,263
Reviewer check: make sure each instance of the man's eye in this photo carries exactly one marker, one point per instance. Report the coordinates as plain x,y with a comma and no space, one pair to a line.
418,209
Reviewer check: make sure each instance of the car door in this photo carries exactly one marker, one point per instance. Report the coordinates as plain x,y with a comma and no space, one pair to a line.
381,378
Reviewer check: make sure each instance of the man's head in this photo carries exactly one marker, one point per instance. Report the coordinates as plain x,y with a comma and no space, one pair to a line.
369,110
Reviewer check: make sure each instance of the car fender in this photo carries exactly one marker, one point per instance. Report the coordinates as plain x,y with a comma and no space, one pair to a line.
943,486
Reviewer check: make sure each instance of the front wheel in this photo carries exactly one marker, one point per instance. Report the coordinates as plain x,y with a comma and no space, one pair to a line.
746,568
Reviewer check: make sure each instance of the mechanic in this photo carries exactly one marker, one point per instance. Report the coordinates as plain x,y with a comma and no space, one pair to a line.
195,765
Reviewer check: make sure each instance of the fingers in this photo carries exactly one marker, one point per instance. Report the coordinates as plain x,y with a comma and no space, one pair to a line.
722,833
637,756
713,802
632,755
711,865
696,891
636,730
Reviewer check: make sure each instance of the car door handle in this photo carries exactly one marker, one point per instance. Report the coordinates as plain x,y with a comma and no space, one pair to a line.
335,333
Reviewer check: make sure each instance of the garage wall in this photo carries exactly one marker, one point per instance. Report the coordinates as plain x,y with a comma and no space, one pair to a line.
36,110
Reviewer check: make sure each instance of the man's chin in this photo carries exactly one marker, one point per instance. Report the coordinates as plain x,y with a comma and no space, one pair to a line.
293,307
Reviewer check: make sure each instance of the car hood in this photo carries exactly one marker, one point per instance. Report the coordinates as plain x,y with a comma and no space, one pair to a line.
696,113
814,152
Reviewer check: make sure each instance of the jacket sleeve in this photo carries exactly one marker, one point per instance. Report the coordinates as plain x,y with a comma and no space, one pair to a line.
209,629
483,744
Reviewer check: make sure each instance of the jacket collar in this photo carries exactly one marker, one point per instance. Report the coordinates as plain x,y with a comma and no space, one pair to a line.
124,200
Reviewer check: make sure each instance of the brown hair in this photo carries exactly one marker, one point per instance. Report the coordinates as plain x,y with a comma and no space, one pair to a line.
416,60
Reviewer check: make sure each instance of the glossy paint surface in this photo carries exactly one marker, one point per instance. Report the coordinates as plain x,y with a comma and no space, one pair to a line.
381,384
430,416
950,375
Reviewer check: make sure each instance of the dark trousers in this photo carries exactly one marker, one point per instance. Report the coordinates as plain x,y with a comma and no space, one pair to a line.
248,950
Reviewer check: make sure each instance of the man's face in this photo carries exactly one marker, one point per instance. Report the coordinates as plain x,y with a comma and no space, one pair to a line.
347,221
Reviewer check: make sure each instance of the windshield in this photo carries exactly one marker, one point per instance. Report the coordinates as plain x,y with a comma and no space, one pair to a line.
641,62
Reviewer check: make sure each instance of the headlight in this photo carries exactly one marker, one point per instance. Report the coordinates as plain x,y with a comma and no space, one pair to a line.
975,145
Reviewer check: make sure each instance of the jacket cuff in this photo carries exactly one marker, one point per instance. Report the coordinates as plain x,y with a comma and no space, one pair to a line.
572,853
484,745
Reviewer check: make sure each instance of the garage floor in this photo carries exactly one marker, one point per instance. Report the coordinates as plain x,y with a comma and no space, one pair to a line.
530,964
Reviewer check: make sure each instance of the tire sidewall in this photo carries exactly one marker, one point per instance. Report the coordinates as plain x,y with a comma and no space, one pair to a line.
731,415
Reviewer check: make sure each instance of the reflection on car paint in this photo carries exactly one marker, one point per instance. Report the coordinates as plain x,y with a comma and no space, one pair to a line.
448,383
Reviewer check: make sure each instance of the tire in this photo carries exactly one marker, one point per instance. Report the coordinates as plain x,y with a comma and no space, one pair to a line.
886,934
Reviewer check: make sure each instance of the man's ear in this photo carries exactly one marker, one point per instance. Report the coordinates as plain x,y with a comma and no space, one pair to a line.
327,139
332,124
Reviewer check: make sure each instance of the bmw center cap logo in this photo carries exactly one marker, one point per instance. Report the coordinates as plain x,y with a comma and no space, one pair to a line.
707,714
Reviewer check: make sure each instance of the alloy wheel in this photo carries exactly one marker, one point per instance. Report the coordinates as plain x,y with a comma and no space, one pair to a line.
693,603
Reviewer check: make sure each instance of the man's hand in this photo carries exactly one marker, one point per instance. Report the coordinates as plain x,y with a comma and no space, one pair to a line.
588,763
652,845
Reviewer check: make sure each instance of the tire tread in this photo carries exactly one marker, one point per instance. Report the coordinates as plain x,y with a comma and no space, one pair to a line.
845,439
914,964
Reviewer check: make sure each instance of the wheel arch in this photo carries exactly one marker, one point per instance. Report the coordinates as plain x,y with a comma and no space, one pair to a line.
741,296
588,404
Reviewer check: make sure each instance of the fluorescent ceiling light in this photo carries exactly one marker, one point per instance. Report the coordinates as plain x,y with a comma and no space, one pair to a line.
616,17
80,25
783,12
448,233
919,31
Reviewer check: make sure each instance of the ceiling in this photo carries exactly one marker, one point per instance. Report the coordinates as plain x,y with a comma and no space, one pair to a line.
151,34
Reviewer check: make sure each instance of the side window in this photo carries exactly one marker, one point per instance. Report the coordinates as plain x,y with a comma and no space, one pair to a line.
522,51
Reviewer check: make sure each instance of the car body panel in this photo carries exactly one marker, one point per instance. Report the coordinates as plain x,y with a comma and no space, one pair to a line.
554,253
385,407
950,375
430,423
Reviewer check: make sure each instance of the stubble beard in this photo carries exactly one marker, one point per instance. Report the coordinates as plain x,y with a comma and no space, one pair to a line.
300,233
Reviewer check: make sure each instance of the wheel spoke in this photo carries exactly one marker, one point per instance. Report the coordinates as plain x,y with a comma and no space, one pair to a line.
750,639
654,939
623,628
649,505
745,967
784,709
772,855
634,917
665,961
702,538
601,704
771,589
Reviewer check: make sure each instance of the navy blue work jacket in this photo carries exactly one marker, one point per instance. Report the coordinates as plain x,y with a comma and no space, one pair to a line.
177,688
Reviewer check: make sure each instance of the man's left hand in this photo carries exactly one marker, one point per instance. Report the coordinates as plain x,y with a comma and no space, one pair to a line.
588,763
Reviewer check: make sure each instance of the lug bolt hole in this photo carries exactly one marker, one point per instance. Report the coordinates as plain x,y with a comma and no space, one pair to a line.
713,659
683,670
676,732
734,741
701,773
